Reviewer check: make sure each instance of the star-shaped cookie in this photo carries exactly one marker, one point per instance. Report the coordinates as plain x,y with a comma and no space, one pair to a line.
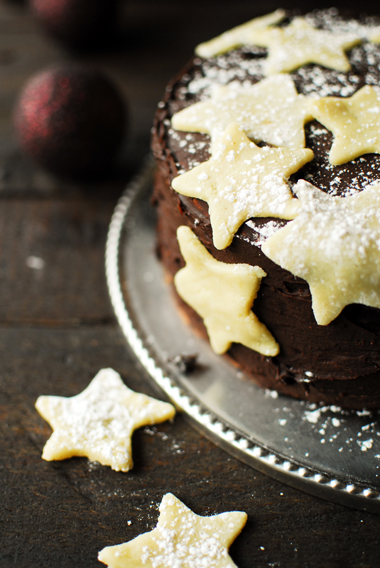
333,244
98,423
181,539
354,122
241,35
222,294
271,111
299,43
241,181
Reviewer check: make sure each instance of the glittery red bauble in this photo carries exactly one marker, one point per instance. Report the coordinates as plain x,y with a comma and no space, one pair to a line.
71,120
78,23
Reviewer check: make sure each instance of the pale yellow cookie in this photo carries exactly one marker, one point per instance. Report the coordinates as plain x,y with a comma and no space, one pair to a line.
241,181
299,43
354,122
241,35
222,294
333,244
99,422
271,111
373,34
181,539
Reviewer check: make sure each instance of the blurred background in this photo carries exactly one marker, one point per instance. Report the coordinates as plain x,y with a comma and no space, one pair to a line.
138,45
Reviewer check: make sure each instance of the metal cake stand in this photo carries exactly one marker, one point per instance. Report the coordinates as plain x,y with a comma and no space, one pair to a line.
323,450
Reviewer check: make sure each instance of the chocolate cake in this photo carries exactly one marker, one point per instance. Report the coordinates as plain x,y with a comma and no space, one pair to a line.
314,242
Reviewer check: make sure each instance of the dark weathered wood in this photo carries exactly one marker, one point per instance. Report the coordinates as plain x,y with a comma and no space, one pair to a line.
68,236
64,512
57,330
60,513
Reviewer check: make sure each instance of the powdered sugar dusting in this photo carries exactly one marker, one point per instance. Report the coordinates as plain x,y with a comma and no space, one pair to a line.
243,181
244,67
224,70
346,432
264,231
181,539
99,422
333,244
185,539
176,546
270,110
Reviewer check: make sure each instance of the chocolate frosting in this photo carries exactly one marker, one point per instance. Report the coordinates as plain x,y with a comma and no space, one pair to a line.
338,363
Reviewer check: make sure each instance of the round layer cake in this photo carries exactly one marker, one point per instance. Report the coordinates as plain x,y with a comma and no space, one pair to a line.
261,90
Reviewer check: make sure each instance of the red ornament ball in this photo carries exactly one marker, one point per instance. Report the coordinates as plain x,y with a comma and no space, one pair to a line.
71,120
77,23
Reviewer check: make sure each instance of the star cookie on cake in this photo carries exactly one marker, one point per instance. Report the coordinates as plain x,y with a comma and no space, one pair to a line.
181,539
241,35
299,43
354,122
271,111
333,244
99,422
241,181
222,294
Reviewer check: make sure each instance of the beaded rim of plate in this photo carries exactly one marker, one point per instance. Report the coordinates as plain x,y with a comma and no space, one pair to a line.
254,454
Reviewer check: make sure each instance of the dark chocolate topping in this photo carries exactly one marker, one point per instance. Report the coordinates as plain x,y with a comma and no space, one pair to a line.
338,363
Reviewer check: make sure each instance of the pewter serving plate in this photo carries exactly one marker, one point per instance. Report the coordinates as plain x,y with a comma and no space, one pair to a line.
322,450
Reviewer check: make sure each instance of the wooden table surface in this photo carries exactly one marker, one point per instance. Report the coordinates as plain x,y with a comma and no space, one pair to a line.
57,329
